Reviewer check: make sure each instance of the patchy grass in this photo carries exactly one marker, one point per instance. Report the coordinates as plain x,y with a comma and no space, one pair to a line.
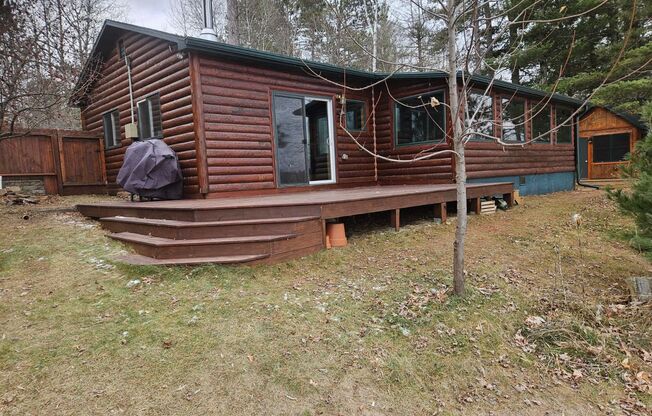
368,329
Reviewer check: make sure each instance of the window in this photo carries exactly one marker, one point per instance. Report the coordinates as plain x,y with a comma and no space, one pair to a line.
111,122
610,147
541,125
355,115
149,117
416,121
481,106
121,49
564,130
513,119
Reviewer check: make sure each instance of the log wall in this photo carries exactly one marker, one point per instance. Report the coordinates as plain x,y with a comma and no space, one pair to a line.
237,113
437,169
155,67
483,159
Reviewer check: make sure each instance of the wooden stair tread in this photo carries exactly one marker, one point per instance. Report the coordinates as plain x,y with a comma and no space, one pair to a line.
181,224
139,260
163,242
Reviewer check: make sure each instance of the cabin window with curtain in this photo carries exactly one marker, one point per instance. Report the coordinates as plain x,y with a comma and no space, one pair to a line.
111,121
480,105
355,115
513,119
610,147
417,122
541,123
564,125
149,118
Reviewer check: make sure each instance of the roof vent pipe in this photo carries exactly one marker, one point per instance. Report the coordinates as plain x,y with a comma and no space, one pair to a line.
208,32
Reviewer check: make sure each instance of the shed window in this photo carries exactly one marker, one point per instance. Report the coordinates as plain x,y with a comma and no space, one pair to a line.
610,147
564,124
111,122
480,109
541,125
513,119
416,121
355,115
149,117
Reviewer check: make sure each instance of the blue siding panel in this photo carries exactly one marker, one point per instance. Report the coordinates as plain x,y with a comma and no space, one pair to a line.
536,184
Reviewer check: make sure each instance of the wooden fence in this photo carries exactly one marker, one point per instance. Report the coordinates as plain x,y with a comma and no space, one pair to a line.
69,162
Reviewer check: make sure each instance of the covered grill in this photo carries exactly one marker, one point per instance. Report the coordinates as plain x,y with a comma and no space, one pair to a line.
151,170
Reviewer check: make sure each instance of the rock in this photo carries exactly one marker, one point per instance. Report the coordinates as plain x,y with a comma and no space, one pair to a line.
640,288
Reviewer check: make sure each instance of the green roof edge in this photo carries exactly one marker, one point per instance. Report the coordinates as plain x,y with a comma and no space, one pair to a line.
223,49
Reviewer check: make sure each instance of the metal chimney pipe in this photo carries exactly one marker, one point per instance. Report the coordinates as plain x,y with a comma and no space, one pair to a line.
208,32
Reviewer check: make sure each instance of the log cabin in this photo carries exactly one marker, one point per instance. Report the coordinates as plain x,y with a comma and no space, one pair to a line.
274,147
606,137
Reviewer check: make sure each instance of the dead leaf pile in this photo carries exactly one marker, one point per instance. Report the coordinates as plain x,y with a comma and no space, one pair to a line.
416,301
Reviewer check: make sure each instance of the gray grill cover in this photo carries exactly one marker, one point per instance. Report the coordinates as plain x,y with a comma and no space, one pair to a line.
151,170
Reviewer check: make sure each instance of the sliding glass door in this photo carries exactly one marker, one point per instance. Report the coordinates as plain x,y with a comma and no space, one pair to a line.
304,134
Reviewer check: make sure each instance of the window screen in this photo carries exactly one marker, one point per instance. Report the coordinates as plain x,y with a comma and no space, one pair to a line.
564,130
149,118
610,147
355,115
111,126
541,123
416,121
513,119
481,106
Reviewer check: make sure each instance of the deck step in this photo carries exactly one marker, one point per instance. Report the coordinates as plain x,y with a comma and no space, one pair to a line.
137,259
167,248
180,224
180,230
168,242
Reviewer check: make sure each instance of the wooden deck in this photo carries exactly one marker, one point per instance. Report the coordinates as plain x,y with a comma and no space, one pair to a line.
267,228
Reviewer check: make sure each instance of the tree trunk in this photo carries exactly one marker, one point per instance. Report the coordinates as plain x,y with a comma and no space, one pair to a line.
458,147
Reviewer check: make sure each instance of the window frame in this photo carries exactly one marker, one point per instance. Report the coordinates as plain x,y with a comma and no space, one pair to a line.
363,115
571,126
492,109
147,99
510,98
613,137
444,127
115,128
551,123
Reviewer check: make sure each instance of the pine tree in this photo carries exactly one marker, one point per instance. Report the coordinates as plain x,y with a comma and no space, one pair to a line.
638,201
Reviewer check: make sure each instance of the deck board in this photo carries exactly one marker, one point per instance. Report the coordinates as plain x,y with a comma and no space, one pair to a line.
316,197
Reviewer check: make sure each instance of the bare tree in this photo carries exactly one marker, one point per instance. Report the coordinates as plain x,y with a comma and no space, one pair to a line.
43,47
472,29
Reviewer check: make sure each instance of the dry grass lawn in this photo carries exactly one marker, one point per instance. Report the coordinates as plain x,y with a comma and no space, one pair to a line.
370,329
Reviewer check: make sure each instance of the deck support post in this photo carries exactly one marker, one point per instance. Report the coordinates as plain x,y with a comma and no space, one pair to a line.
475,205
440,211
509,198
395,219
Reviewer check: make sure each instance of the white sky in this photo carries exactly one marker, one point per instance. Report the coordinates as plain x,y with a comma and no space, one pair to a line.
149,13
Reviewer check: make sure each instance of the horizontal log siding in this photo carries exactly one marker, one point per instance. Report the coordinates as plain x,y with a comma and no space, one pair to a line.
238,125
487,160
155,68
437,169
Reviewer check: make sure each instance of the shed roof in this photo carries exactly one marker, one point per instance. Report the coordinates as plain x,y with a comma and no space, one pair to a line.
112,29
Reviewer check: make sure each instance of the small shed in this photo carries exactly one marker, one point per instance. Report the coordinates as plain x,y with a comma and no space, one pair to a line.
606,138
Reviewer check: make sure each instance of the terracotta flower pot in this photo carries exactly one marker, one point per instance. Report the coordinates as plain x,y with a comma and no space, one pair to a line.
335,234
